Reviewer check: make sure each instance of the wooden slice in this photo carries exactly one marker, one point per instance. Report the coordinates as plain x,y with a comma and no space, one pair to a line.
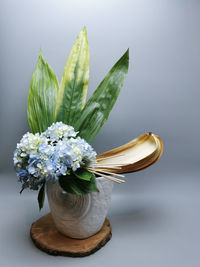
47,238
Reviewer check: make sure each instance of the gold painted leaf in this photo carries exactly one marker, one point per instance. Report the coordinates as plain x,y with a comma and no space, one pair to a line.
136,155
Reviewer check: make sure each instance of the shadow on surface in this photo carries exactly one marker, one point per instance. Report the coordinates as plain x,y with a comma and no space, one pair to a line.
129,215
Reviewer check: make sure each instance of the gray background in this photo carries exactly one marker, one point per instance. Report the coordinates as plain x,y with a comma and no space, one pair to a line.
155,214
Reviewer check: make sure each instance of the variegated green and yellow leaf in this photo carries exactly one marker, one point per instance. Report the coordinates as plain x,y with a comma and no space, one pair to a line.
42,97
73,88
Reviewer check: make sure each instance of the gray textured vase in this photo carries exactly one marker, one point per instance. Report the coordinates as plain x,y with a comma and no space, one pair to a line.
79,216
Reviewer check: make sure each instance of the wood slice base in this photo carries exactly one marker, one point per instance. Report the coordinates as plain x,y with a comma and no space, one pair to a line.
46,237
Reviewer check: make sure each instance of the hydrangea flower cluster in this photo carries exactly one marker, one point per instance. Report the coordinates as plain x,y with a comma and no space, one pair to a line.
48,155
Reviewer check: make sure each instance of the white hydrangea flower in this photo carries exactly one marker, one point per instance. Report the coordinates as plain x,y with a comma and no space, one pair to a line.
57,131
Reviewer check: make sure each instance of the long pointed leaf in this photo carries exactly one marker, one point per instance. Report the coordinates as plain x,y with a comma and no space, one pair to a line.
73,88
98,107
41,196
42,97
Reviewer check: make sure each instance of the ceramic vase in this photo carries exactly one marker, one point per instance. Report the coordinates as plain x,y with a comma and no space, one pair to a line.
79,216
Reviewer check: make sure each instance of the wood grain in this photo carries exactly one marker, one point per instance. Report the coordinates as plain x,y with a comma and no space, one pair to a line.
46,237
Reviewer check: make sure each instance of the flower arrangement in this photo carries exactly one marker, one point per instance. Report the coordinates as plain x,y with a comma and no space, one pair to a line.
63,125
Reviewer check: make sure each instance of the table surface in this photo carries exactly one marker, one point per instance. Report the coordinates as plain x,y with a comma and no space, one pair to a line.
155,222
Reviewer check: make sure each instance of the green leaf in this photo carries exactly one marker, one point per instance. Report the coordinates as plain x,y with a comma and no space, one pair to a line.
42,97
73,88
41,196
68,172
83,174
98,107
74,185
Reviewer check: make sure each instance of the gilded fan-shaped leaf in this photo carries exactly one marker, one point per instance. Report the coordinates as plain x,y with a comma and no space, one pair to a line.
42,97
73,88
136,155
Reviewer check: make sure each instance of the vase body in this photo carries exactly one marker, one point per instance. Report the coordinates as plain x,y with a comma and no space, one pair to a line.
79,216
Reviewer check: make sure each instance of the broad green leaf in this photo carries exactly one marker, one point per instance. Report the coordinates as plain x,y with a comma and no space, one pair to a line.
41,196
73,88
73,185
42,97
98,107
83,174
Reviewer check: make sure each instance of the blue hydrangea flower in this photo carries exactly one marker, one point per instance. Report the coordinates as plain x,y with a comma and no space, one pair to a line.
50,155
